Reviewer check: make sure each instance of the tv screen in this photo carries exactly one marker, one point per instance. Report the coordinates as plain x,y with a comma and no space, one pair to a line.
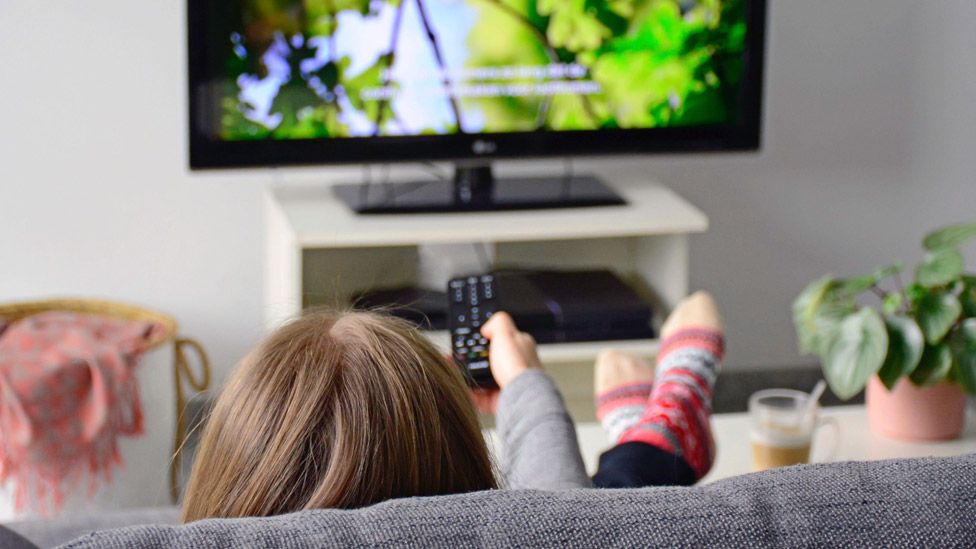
329,81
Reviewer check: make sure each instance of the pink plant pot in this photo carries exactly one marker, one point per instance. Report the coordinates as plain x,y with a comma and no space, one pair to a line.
912,413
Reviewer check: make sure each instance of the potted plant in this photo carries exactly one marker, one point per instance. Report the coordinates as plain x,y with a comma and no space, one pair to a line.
913,346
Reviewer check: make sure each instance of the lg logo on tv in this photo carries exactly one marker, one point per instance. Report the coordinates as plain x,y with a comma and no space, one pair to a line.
481,146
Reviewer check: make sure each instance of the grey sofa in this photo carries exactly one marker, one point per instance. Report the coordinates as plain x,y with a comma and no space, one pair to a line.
904,503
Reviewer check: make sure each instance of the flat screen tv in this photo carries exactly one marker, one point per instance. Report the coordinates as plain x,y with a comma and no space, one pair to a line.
305,82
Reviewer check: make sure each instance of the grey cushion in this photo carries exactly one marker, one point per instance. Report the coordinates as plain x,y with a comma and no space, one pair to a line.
47,533
925,502
12,540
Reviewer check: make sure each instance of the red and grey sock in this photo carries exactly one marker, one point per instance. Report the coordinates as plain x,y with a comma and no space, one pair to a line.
677,416
621,407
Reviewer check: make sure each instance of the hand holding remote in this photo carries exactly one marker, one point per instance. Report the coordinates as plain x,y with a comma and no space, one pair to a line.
511,351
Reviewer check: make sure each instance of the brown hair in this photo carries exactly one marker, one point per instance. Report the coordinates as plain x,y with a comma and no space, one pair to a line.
337,410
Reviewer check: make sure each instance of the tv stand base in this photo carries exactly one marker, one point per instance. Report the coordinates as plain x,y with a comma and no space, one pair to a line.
476,189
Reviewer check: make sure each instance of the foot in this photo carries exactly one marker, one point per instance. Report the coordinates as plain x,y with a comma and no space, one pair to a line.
678,413
622,384
695,311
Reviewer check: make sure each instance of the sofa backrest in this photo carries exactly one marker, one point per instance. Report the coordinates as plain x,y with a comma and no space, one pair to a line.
51,532
918,502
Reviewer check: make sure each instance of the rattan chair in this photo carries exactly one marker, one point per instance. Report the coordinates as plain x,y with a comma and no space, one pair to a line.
183,374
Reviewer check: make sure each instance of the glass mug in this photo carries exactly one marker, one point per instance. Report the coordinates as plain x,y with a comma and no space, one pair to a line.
779,436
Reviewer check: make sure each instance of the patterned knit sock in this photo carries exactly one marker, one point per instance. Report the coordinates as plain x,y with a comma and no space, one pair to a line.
620,408
679,409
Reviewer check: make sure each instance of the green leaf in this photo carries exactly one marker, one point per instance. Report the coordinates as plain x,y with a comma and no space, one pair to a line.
329,74
856,353
360,6
817,314
893,302
805,308
968,296
905,346
498,39
962,342
857,284
952,376
939,267
572,25
371,78
936,313
951,236
828,321
933,367
916,292
320,21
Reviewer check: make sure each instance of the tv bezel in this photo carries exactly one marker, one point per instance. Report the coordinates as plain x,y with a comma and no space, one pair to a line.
209,153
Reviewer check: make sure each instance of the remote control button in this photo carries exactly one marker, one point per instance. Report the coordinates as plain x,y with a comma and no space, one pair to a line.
471,342
488,287
462,331
462,318
478,365
457,294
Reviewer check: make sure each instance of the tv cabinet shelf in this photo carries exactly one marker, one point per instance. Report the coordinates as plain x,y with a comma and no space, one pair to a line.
318,220
320,253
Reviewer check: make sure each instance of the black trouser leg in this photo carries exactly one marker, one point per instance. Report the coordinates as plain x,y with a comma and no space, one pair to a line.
637,464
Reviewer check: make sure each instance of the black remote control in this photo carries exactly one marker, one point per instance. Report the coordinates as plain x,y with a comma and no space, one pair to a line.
471,301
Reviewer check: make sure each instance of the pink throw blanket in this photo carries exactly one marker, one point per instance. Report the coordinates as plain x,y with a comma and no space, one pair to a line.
67,392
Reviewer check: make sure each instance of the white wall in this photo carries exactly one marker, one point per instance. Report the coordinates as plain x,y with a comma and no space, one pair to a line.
869,141
96,198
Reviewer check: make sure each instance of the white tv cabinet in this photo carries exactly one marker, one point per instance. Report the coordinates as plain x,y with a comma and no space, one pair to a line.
320,253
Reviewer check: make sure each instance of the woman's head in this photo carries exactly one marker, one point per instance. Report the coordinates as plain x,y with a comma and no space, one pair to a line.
337,410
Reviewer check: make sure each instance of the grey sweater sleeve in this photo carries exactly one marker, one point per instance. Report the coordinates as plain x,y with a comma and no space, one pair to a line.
540,450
